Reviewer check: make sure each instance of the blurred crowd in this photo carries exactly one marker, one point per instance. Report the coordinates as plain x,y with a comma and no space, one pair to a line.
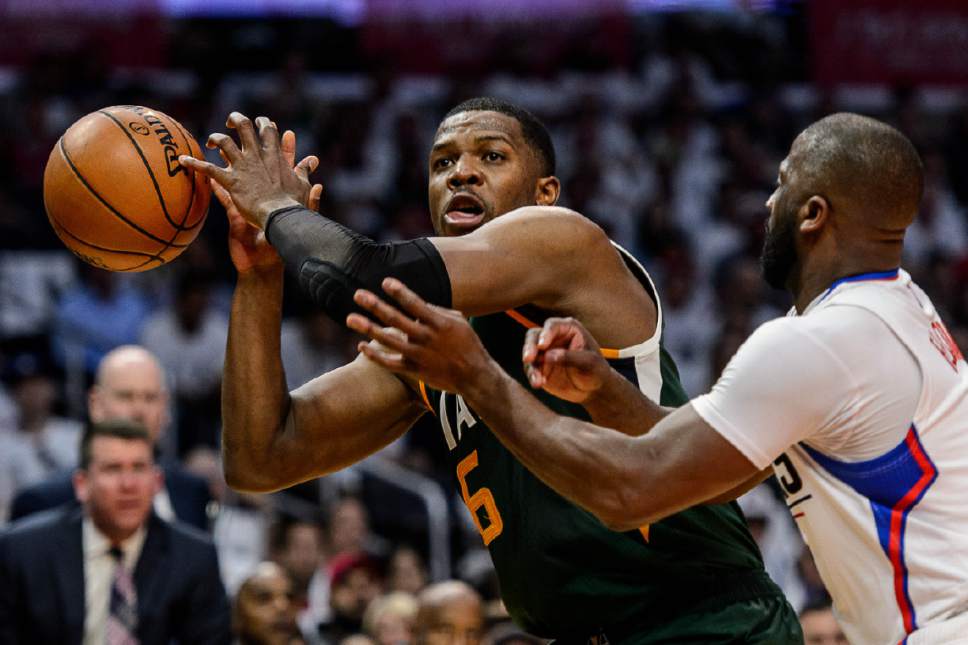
673,154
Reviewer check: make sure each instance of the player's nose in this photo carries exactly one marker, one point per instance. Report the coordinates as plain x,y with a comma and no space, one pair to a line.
465,173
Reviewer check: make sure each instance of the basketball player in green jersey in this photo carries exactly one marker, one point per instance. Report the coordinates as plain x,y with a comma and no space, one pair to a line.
506,256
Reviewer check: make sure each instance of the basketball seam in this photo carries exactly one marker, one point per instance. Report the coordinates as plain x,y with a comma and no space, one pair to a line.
191,199
116,212
151,173
151,258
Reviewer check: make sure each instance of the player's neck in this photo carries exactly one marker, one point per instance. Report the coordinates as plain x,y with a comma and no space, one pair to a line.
813,281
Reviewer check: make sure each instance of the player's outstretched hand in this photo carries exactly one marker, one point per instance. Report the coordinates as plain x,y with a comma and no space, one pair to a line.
424,341
562,358
258,176
248,246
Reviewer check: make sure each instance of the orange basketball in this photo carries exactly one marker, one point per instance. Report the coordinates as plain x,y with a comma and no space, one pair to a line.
116,194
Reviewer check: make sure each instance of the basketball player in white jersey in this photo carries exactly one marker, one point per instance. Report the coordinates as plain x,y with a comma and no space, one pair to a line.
858,399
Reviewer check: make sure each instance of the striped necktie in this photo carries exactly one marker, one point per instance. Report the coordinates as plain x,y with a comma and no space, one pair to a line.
123,611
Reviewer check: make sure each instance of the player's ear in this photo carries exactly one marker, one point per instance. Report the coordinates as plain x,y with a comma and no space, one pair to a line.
814,214
546,191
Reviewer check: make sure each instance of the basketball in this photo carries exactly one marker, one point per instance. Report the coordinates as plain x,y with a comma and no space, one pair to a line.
116,194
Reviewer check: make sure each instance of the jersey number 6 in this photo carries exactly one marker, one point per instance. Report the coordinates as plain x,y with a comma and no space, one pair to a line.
482,497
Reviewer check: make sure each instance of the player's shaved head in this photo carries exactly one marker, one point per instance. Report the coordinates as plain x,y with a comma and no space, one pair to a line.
845,194
865,168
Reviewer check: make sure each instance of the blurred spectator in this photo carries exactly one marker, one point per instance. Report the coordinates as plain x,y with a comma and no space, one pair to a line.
814,591
111,567
355,582
389,619
686,311
189,340
100,312
450,613
263,612
349,529
357,639
8,411
130,385
298,547
43,443
406,571
241,521
941,224
820,625
312,345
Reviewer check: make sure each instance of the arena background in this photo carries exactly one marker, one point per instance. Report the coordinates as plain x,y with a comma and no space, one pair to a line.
670,119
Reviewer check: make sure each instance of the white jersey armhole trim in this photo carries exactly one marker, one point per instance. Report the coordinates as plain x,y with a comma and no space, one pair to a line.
651,344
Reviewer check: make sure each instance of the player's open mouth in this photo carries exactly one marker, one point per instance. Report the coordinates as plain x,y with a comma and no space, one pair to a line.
464,211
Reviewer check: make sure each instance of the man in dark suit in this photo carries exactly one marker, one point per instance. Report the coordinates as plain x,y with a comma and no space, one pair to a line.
130,384
110,570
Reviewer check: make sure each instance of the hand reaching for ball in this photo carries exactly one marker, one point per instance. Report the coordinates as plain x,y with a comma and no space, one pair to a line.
248,246
258,177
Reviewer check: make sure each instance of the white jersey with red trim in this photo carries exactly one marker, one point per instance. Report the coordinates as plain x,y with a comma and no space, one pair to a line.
882,503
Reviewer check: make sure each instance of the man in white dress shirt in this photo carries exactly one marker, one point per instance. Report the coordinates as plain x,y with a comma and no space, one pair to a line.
130,384
110,571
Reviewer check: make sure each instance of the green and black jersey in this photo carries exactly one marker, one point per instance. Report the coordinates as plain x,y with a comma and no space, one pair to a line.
562,572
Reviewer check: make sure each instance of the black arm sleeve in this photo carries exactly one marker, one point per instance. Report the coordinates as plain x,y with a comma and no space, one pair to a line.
331,261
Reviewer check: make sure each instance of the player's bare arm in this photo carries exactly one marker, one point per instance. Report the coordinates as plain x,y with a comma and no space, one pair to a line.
273,438
681,462
538,255
490,269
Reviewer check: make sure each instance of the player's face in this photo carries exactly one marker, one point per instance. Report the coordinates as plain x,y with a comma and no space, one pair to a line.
480,167
119,485
779,256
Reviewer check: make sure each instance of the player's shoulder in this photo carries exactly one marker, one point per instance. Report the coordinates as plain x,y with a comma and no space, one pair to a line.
564,234
560,221
834,329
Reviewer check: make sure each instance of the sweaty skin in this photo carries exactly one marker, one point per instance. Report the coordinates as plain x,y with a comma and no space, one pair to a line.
503,243
677,460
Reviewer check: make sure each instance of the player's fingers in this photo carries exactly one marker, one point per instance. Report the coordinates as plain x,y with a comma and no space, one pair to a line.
582,360
288,147
211,171
269,144
561,332
243,125
226,147
307,166
221,195
535,376
390,316
530,350
387,336
315,195
414,304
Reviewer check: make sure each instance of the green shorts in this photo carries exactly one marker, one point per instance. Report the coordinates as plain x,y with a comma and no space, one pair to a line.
769,620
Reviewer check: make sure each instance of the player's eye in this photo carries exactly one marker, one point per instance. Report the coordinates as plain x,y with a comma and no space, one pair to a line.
493,156
441,163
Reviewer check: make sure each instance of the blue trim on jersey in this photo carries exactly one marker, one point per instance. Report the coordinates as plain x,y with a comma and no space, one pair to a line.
877,275
888,482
